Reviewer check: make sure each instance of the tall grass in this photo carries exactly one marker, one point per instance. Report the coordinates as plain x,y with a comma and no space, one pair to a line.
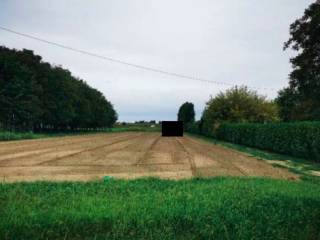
219,208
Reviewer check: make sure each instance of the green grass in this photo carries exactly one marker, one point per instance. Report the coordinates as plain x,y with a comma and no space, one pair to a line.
218,208
136,129
294,164
12,136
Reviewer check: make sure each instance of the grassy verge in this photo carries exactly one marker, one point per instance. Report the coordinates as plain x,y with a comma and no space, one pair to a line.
218,208
11,136
135,129
301,166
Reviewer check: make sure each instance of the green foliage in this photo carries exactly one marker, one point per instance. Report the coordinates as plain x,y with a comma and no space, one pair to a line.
300,139
304,85
9,136
186,114
219,208
141,126
290,108
196,127
37,96
238,104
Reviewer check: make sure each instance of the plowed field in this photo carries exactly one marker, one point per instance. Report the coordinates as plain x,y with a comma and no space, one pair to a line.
125,155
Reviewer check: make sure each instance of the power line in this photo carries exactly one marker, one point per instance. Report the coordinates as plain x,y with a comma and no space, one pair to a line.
123,62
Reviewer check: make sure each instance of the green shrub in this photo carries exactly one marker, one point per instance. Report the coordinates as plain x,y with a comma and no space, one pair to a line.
300,139
195,127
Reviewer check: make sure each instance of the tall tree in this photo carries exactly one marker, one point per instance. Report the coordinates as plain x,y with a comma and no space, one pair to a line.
19,102
36,95
304,85
186,114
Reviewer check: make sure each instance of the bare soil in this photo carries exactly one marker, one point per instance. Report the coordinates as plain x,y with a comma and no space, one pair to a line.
126,155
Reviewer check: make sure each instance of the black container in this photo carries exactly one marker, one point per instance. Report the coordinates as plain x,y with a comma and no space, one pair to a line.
172,129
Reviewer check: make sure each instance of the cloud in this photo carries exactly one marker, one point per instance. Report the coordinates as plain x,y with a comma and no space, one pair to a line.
238,42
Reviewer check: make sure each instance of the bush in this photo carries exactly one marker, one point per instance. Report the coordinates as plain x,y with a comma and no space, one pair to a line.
238,105
300,139
195,127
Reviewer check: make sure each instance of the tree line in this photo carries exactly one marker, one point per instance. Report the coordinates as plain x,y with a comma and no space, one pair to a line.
300,101
37,96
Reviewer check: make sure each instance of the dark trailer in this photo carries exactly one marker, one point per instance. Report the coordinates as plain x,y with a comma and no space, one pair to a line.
172,129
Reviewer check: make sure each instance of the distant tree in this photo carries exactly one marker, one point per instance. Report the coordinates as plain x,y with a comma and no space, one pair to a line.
301,100
238,104
186,114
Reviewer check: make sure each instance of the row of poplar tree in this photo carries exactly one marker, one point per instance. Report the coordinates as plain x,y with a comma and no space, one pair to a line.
36,96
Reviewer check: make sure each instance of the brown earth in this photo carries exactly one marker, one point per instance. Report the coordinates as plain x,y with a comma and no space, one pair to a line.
126,155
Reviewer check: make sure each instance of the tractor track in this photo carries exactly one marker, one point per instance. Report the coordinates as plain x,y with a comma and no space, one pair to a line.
126,155
193,167
145,156
8,147
88,150
43,150
208,150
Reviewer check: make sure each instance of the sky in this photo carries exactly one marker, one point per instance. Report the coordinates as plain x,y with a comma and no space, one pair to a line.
231,41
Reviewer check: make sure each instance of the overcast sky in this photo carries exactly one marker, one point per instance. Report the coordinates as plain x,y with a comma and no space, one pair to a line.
233,41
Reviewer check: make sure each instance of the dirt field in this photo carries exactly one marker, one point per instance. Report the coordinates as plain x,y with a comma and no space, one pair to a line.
125,155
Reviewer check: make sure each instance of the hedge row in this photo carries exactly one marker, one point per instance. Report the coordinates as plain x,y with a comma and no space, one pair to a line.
300,139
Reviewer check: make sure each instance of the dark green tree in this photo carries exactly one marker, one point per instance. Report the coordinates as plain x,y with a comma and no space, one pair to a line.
19,102
304,85
37,96
186,114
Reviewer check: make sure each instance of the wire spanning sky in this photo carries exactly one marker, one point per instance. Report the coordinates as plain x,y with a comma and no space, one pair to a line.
229,41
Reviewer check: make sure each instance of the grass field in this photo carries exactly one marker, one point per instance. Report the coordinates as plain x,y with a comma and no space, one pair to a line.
219,208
